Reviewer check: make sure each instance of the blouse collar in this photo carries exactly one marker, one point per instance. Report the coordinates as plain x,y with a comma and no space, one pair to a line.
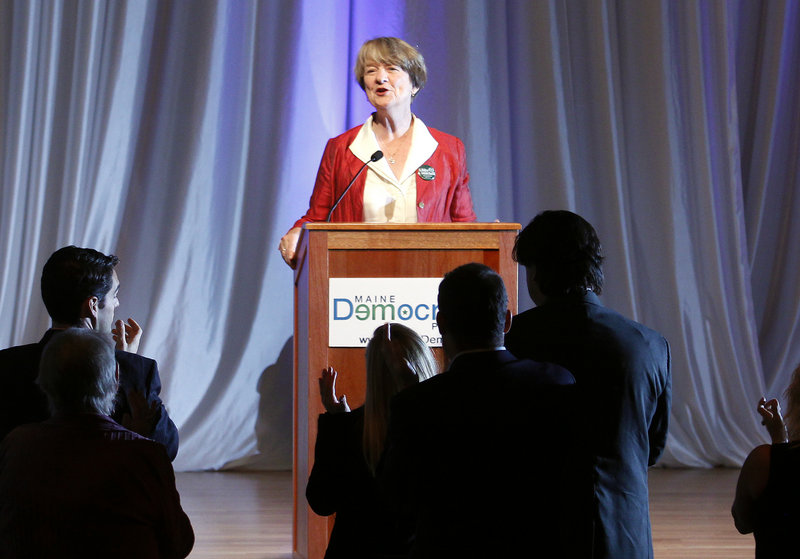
422,147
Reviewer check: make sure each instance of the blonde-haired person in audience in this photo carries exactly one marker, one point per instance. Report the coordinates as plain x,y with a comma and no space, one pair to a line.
349,447
767,499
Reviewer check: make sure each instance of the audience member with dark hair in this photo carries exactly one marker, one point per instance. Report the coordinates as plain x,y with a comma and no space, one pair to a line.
349,447
79,485
480,453
79,289
622,372
767,499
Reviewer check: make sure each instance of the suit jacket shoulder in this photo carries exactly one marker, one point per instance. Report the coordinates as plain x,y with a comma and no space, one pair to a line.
140,374
21,400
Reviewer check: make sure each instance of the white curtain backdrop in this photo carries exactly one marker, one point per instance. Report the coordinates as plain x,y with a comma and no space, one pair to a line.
184,136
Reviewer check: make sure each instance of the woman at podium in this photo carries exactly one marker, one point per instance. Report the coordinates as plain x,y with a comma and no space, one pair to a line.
393,168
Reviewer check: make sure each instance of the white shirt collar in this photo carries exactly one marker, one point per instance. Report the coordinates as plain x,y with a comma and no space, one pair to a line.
422,147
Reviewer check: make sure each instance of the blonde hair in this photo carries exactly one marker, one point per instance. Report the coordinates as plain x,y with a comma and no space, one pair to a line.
396,359
792,395
395,52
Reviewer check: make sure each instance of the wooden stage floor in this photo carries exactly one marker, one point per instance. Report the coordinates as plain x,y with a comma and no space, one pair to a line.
248,515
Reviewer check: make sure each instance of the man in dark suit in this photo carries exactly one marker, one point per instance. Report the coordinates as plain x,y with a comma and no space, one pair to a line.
622,370
79,485
79,289
476,451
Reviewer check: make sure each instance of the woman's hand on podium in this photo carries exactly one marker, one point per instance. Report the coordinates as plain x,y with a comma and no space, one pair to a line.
327,392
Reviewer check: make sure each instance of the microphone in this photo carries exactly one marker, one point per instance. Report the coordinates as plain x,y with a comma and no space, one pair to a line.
372,159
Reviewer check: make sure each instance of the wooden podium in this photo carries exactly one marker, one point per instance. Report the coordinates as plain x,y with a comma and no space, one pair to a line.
363,250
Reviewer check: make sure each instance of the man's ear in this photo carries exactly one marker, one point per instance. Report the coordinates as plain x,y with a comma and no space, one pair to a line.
89,310
507,326
441,322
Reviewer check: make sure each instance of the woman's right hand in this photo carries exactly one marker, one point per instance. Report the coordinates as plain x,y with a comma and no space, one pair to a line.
327,392
771,418
288,246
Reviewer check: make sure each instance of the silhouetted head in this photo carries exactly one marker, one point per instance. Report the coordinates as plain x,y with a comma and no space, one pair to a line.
473,307
79,283
562,254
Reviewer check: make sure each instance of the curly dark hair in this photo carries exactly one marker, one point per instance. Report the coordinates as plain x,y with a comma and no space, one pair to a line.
70,276
565,250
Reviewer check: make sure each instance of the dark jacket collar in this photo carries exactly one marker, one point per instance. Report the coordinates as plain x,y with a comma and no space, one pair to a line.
588,297
48,336
469,358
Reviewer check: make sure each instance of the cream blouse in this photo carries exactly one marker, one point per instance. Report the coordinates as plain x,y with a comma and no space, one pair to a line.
387,198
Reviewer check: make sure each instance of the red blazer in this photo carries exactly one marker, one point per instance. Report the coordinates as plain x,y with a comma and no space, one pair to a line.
445,198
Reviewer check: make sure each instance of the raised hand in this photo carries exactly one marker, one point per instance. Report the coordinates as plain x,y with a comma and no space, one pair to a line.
143,416
771,418
327,392
127,335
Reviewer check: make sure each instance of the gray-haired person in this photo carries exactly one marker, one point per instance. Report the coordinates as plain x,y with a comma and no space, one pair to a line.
80,484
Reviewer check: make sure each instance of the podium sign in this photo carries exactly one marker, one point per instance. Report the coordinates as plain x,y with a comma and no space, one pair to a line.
356,306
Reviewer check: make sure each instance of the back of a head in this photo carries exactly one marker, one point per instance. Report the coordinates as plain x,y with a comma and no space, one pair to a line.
473,298
565,251
77,372
70,276
396,358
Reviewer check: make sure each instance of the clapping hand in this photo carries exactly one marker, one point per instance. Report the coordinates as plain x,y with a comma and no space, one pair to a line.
327,392
127,335
143,416
770,412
